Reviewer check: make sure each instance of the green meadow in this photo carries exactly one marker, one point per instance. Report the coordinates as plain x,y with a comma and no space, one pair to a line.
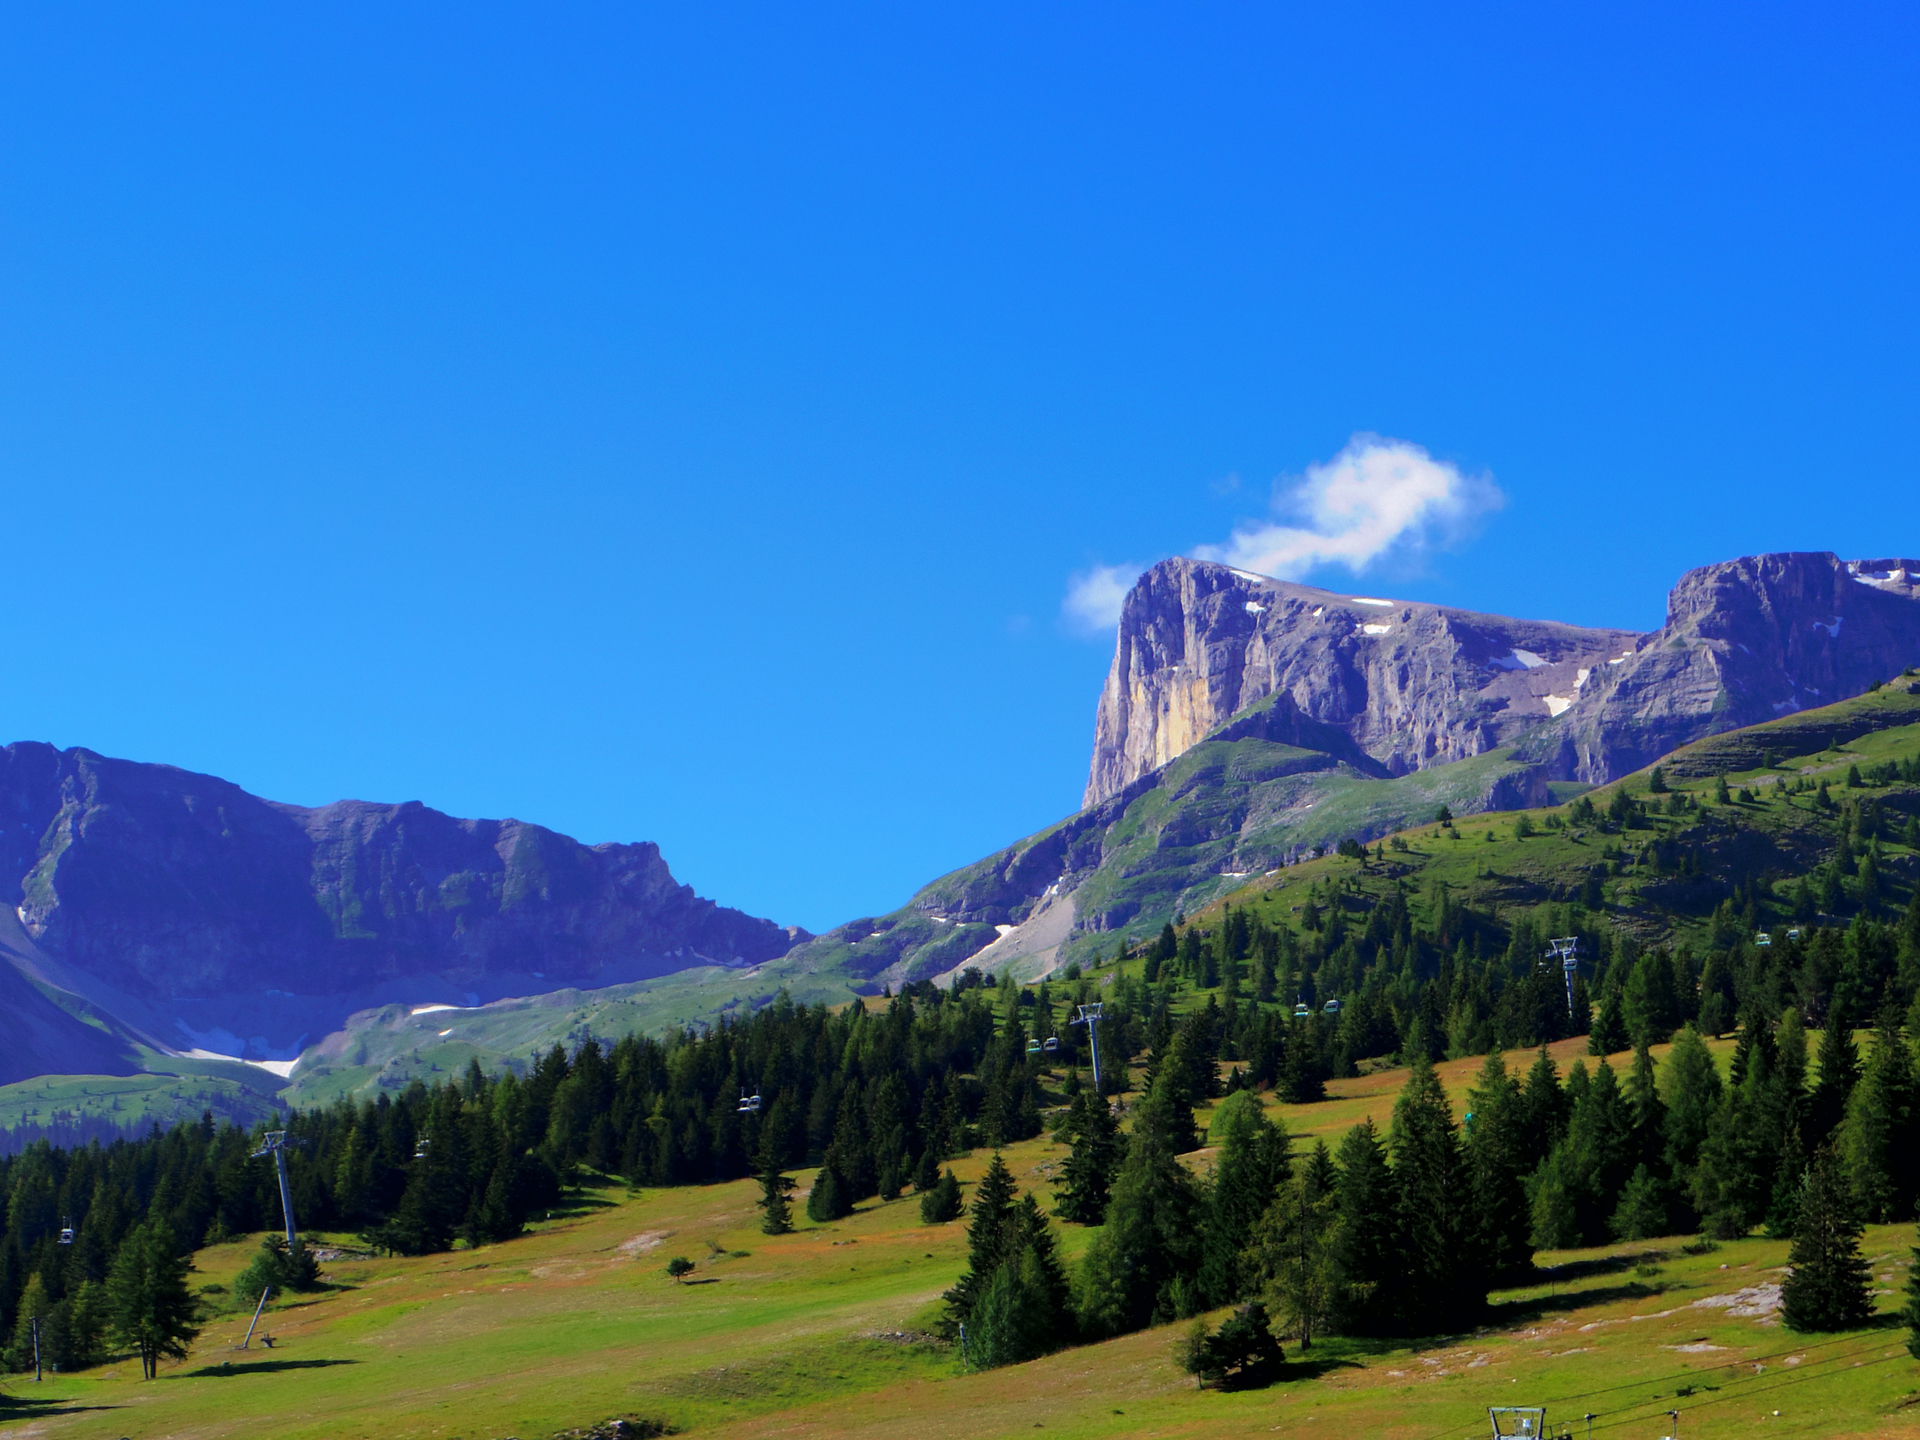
828,1332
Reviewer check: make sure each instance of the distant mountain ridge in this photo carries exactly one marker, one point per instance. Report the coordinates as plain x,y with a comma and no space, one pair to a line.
206,917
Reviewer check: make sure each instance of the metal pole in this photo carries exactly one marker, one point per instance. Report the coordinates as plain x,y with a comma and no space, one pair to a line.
286,1197
1093,1036
36,1349
257,1311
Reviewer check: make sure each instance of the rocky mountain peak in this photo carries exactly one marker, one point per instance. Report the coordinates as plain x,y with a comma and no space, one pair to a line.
1411,684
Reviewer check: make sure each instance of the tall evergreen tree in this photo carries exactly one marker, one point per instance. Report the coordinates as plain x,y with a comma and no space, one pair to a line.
1250,1165
1086,1179
150,1308
1445,1285
1874,1143
1828,1284
1292,1246
1140,1266
1367,1272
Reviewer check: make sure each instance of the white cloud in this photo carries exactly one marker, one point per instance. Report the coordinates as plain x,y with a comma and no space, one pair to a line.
1094,597
1376,496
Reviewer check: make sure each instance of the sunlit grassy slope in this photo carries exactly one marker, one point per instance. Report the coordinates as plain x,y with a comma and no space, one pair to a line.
822,1333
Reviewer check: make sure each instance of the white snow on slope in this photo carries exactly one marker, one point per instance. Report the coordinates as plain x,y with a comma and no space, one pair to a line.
1369,600
282,1068
431,1009
1254,607
1377,629
1519,660
1558,704
1833,630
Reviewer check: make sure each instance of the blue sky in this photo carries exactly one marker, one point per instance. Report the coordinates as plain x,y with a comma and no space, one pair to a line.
685,425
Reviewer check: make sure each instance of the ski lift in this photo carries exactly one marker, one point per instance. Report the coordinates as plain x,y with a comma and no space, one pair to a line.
1332,1007
1763,940
1793,934
66,1233
1033,1047
1302,1010
749,1103
1052,1046
420,1148
1522,1422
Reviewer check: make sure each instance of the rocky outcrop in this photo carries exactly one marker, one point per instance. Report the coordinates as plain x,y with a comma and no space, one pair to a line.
207,915
1406,685
1745,641
1411,686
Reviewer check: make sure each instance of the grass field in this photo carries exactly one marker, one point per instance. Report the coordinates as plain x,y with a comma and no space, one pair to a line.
823,1333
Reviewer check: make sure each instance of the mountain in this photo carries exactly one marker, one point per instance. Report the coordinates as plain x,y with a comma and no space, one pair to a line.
201,916
1247,721
1412,685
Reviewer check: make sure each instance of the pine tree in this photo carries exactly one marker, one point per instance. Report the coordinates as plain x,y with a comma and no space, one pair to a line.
942,1202
1250,1166
1497,1162
776,1209
31,1306
990,1239
829,1199
1151,1238
1292,1246
1444,1284
1368,1273
1086,1179
1828,1284
1642,1211
151,1310
1839,1066
1874,1142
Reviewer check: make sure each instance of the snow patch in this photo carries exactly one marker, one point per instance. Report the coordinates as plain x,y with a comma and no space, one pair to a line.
1006,929
1783,707
1254,607
1376,629
1249,575
282,1068
1369,600
1832,628
1518,660
1580,678
1318,611
445,1033
1559,704
431,1009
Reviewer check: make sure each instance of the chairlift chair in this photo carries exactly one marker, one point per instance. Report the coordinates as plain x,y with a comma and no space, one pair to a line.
1052,1046
1763,940
1033,1047
1302,1010
1332,1007
66,1233
749,1103
420,1149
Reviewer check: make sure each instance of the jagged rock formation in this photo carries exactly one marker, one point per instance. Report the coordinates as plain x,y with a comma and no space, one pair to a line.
1411,686
1407,685
206,915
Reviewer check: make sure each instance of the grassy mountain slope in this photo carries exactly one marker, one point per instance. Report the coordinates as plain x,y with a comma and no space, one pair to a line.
824,1333
1771,833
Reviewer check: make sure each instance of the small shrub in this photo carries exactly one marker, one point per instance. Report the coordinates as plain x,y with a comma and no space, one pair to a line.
679,1267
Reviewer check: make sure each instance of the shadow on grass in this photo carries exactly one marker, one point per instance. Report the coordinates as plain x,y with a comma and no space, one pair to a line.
573,1207
25,1407
1519,1312
227,1368
1596,1265
1311,1366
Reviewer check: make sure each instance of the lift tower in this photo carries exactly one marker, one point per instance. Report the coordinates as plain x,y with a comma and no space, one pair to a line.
276,1143
1089,1016
1567,952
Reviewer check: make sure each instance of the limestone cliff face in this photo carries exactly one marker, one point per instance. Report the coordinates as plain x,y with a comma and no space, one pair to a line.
1411,685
